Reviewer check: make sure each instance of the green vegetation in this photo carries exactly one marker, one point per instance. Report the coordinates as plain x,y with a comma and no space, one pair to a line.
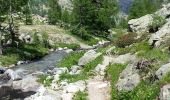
143,7
93,18
25,52
54,13
145,90
70,46
85,73
45,80
126,40
80,96
112,74
157,22
71,59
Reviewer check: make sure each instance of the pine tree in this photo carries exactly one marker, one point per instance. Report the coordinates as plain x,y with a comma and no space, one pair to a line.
10,7
96,16
28,14
54,12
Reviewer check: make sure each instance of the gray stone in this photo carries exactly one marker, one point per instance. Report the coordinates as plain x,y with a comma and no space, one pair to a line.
122,59
75,69
75,87
165,92
87,57
128,79
59,70
12,75
161,36
164,12
29,83
141,24
162,71
128,83
67,96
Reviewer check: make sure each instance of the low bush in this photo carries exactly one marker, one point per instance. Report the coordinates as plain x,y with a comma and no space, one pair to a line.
43,79
85,73
25,52
71,59
9,59
112,74
126,40
157,22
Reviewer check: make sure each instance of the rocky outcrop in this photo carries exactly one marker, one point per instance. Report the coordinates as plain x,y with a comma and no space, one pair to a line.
165,92
27,84
162,71
87,57
128,79
140,25
123,59
12,75
161,36
164,12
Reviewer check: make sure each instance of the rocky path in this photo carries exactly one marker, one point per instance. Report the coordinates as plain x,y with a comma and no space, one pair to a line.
98,89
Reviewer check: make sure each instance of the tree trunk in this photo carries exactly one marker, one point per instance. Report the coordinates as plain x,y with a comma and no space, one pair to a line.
0,43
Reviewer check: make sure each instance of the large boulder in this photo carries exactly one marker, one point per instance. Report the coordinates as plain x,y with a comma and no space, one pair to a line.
88,56
165,92
128,79
160,36
44,94
141,24
29,83
75,87
162,71
12,75
123,59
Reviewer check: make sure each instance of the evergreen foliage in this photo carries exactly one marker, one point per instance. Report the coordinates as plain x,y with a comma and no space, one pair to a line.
54,12
94,16
143,7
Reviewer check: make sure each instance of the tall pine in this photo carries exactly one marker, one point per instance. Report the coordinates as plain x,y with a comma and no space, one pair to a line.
95,16
54,12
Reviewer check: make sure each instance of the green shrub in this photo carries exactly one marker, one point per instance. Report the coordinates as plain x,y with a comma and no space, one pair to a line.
112,74
43,79
35,51
71,59
154,54
85,73
126,40
9,59
73,46
45,41
81,32
157,22
80,96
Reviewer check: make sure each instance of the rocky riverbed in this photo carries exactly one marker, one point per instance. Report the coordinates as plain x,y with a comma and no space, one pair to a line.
21,81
